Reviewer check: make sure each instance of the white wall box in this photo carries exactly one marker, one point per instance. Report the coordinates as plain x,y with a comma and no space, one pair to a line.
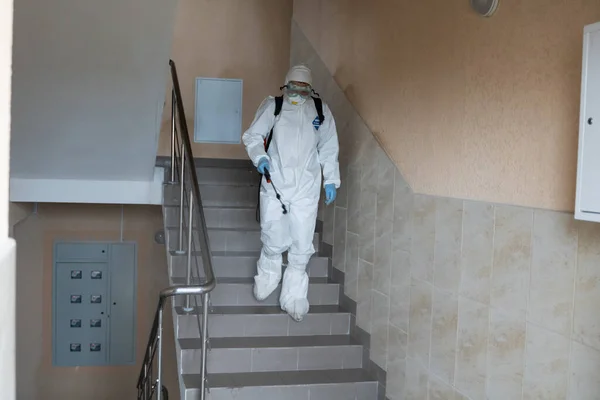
587,203
218,111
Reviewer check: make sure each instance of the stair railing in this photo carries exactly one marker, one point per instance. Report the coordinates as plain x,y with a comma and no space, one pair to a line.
192,226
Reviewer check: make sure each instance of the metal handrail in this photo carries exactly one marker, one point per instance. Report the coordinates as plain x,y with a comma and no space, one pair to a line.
147,386
187,150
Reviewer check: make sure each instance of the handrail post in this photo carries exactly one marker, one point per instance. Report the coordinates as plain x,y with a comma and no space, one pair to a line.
173,119
188,281
159,339
181,202
205,300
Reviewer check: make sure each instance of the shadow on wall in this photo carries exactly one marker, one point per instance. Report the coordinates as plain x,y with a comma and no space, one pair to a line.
35,236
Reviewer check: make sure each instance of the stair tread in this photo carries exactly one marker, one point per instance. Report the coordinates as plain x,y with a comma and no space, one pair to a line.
236,184
245,229
232,184
271,342
216,229
264,310
215,207
246,281
280,378
221,253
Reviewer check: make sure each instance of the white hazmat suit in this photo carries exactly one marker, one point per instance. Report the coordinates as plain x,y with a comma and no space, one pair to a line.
299,149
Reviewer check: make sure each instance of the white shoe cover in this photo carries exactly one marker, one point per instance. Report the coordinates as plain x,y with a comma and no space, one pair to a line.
294,291
268,276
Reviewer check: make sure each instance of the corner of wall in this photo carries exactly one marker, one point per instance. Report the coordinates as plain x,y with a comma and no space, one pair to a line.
17,213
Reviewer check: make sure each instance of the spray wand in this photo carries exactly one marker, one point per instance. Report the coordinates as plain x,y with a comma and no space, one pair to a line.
268,176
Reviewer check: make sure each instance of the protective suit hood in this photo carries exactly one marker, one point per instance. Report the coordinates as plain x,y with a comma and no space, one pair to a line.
299,73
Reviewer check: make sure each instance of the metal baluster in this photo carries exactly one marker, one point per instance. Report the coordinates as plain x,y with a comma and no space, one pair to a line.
188,281
181,202
159,338
173,118
205,300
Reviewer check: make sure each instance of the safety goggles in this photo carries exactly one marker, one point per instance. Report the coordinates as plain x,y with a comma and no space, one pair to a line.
294,90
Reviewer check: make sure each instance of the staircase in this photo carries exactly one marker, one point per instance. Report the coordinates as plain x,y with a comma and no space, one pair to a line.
256,350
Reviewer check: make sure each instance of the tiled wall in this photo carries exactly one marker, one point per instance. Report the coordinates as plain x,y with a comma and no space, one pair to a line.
463,299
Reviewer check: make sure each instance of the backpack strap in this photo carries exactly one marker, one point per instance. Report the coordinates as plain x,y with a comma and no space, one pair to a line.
278,107
319,107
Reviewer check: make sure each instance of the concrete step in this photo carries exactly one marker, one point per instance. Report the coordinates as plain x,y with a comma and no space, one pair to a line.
224,239
265,321
228,176
217,217
348,384
238,292
241,264
216,195
263,354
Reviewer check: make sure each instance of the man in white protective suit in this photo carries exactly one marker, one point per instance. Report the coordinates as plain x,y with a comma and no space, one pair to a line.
291,140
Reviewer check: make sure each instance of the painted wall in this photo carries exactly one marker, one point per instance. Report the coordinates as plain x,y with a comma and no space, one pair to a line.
463,299
89,79
246,40
467,107
35,236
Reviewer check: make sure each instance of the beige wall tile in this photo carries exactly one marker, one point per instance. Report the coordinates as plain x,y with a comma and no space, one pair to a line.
328,223
400,291
506,352
368,203
380,317
471,352
385,191
351,269
339,239
554,258
403,203
396,381
419,330
586,318
383,262
443,334
459,396
397,345
365,285
448,231
422,238
477,251
439,390
416,380
342,192
512,258
585,364
353,184
547,365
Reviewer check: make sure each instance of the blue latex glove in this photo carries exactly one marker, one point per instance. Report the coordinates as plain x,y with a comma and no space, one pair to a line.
330,193
263,165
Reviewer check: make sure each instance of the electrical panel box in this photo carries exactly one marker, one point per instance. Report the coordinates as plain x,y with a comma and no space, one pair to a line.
94,304
218,113
587,199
